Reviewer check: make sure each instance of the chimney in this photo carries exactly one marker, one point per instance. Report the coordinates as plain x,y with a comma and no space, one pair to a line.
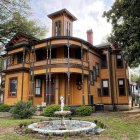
90,36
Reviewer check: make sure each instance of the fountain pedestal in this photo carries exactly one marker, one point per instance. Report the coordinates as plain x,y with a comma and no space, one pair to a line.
62,114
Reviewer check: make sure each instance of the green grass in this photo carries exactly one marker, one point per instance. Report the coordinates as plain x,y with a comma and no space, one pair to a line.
120,126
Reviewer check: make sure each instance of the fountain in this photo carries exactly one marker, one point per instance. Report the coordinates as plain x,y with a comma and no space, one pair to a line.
62,114
60,127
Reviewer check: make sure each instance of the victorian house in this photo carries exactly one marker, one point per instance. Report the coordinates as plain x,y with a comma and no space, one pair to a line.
63,65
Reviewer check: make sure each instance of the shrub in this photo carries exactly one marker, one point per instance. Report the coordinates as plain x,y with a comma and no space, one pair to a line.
4,108
84,110
49,110
23,110
67,108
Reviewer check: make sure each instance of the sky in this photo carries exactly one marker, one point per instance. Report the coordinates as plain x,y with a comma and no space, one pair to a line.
88,13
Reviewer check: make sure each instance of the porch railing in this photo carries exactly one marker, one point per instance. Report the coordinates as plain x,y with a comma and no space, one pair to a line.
61,61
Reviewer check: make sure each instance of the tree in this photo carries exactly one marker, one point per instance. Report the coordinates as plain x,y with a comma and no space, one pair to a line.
19,23
15,17
134,78
124,16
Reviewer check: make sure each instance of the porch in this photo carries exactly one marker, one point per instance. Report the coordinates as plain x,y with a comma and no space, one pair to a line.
49,89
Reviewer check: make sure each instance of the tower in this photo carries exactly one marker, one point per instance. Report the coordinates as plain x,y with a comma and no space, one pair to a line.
62,23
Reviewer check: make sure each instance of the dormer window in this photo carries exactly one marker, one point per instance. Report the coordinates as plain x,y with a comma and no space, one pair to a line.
57,31
68,29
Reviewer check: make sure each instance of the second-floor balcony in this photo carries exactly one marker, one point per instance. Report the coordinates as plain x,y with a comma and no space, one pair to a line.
56,57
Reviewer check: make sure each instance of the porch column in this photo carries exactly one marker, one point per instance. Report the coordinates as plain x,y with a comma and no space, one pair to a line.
47,102
49,88
83,96
23,63
50,54
82,59
89,100
50,77
46,92
32,73
68,74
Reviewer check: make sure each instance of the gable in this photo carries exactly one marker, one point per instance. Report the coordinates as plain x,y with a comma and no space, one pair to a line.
19,39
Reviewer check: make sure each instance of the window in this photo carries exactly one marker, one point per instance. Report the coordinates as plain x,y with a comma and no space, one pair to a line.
99,92
91,78
13,87
57,31
68,29
105,88
103,62
121,86
38,87
79,80
4,64
94,74
41,54
119,61
97,69
19,58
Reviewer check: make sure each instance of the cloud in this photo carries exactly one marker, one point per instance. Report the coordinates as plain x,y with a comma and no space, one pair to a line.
88,12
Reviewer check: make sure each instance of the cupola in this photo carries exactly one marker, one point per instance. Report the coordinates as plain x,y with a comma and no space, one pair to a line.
62,23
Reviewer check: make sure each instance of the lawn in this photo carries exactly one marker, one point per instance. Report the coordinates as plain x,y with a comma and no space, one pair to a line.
120,126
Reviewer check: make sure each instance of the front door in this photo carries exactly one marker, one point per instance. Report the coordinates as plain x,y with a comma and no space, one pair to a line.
50,92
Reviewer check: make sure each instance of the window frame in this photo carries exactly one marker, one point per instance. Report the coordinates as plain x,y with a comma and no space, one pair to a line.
121,95
38,95
105,88
122,65
10,93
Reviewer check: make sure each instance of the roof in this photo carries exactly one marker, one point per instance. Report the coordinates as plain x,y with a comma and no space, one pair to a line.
55,14
20,34
103,45
70,38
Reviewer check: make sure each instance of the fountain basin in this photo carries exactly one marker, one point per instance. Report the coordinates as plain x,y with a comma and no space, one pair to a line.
62,113
73,127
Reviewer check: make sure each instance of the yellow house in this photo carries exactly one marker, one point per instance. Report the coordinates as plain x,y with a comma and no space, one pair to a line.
63,65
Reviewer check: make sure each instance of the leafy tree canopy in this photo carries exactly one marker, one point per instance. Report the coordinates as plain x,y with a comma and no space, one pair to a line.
134,78
125,19
15,17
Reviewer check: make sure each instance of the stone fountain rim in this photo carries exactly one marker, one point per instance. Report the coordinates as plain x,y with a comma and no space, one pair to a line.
57,132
